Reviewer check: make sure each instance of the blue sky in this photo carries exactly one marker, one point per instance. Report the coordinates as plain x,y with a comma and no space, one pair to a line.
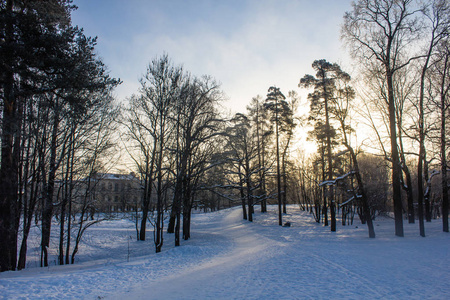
248,46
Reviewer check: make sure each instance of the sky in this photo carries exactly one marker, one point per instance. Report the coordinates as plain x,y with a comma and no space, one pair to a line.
246,45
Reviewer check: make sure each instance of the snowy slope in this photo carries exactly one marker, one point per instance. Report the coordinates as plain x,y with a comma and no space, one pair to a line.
228,258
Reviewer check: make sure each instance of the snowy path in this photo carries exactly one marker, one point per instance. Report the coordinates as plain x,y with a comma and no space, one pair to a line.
262,261
228,258
216,277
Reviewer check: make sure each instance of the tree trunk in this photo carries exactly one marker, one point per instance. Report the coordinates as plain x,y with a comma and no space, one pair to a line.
444,181
29,192
396,170
248,185
66,196
69,226
174,226
263,179
280,217
177,228
333,214
420,173
426,196
148,184
330,195
159,202
186,223
187,207
409,195
284,179
9,165
47,209
62,217
249,200
27,220
241,191
362,191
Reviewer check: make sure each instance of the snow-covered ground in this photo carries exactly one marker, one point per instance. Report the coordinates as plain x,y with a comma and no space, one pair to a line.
228,258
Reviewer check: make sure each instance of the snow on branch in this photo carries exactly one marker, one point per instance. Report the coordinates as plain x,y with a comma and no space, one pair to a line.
350,200
340,178
341,153
427,191
434,173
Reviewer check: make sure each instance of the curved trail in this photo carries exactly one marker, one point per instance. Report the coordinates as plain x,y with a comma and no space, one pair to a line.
208,279
257,264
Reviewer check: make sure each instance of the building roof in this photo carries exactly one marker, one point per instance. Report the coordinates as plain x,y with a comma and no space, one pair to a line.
115,176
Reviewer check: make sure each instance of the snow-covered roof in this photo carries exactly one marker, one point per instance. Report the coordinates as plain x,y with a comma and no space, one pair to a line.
111,176
115,176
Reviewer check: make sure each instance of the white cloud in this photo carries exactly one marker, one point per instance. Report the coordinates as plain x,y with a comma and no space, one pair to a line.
246,45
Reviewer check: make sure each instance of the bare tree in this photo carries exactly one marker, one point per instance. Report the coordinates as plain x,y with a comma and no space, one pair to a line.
29,31
439,90
150,128
199,124
260,119
243,151
342,103
439,27
381,33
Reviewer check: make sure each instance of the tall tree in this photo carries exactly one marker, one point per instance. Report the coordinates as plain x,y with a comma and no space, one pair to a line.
287,129
275,102
45,61
440,85
341,110
28,32
379,32
438,17
242,145
260,120
324,84
149,119
82,77
200,123
140,125
444,105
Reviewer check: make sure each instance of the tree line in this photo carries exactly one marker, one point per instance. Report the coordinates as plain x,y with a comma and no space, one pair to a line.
401,94
60,123
404,45
187,151
56,111
172,128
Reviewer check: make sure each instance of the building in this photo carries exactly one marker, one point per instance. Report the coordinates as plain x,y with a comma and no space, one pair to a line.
114,192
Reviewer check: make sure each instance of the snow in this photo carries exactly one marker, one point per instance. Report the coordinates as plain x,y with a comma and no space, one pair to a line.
229,258
340,178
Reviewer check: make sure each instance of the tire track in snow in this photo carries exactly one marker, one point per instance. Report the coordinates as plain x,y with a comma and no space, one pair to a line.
340,270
